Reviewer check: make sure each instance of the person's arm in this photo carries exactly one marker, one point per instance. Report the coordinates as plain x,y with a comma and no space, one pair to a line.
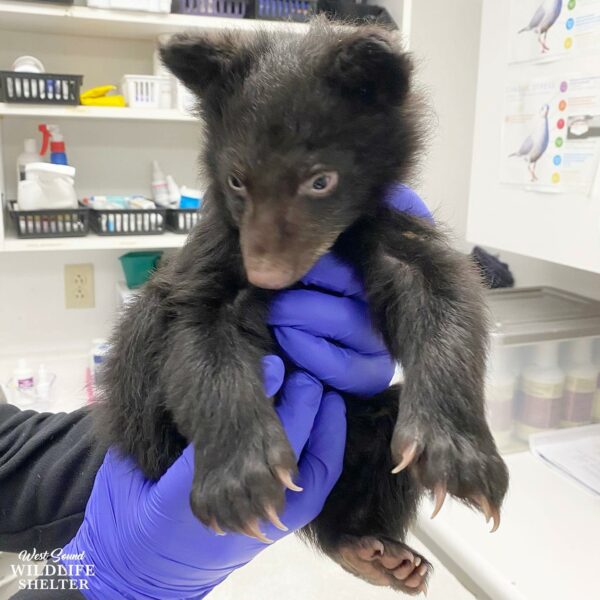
48,463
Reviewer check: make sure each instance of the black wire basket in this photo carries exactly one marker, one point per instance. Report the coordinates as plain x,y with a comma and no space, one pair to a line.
182,220
50,223
39,88
285,10
128,221
235,9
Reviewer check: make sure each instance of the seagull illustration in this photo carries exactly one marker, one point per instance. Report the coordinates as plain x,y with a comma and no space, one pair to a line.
535,144
544,17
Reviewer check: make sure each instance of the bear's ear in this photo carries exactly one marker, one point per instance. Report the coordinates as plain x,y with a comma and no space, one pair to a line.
203,60
369,65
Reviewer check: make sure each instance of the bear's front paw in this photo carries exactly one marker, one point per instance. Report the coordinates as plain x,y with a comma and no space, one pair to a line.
240,482
444,458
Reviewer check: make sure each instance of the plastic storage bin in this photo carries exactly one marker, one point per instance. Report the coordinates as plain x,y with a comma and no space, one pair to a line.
146,91
138,267
157,6
39,88
33,224
212,8
284,10
544,365
128,221
182,220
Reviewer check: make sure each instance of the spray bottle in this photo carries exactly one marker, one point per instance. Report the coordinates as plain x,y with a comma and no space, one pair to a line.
53,136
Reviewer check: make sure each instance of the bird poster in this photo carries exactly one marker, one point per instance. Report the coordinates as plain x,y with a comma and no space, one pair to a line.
542,30
551,126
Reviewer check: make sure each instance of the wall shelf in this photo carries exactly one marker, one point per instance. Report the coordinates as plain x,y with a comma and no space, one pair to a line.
81,21
92,112
93,242
84,21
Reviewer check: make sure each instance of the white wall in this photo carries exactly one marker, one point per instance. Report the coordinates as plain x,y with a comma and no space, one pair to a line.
445,41
33,315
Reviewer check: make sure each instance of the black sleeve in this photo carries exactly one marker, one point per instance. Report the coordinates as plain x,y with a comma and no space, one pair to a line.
48,463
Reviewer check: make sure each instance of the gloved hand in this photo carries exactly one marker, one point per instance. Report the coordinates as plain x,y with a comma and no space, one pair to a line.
143,538
306,321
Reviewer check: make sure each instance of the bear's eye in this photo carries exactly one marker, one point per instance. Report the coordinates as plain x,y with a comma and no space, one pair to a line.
321,184
235,183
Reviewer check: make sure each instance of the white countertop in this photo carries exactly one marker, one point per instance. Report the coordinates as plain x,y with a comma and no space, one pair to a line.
547,546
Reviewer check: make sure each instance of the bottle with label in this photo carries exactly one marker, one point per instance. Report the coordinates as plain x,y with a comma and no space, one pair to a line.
100,348
500,393
29,155
23,376
542,392
580,384
23,385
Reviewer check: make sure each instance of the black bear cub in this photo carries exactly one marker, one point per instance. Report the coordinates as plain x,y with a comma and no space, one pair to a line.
304,134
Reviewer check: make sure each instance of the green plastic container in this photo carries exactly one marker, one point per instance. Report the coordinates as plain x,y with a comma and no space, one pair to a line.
138,267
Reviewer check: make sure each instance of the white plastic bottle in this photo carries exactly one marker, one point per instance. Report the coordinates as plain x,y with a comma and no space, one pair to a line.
30,155
501,383
23,385
100,348
23,376
174,193
542,390
580,385
160,189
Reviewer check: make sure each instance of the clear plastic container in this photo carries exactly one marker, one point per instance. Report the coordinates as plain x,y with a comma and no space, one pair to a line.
147,91
543,370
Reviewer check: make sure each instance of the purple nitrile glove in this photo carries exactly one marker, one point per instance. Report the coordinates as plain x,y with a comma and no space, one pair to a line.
144,541
329,333
405,199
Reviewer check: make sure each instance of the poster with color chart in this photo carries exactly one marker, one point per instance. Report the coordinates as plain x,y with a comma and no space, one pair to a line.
548,29
551,128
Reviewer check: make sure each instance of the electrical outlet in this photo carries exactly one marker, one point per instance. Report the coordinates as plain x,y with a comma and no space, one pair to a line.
79,286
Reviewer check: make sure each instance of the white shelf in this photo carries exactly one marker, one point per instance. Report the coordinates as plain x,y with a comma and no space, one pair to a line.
84,21
94,242
92,112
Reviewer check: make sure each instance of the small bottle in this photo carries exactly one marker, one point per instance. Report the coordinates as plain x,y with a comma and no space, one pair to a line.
581,382
100,348
500,393
23,376
542,390
190,198
174,193
160,189
29,155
